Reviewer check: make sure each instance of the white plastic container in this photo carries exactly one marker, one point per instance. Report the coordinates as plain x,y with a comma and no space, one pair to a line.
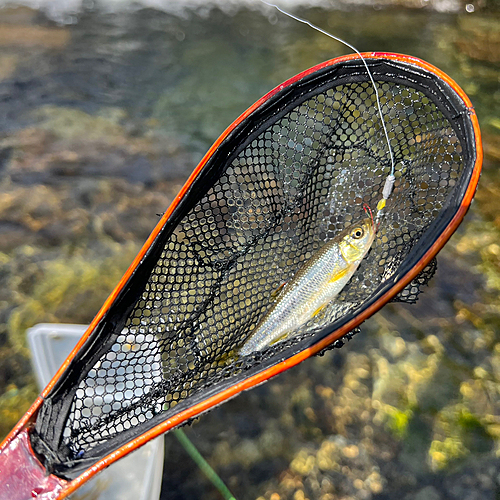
137,476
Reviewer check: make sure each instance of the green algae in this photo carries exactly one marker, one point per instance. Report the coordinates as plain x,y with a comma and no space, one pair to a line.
74,124
398,420
68,287
14,403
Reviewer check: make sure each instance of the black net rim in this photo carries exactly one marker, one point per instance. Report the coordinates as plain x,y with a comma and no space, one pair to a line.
386,67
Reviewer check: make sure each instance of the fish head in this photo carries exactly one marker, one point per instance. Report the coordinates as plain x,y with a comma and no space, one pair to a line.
356,240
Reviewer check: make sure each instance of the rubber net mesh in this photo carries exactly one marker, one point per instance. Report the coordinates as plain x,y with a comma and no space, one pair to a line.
294,187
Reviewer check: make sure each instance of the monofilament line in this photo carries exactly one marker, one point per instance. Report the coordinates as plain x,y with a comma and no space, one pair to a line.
389,183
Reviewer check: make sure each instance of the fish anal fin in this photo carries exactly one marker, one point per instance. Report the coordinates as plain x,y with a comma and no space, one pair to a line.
281,337
318,310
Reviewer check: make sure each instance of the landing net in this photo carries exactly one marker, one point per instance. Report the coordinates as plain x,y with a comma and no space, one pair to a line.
287,178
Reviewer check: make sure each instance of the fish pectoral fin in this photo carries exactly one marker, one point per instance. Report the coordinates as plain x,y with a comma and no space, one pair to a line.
341,273
278,290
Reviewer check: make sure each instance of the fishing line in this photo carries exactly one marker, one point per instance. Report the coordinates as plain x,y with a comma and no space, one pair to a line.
389,182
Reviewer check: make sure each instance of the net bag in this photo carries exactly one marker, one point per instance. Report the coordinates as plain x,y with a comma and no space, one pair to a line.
287,176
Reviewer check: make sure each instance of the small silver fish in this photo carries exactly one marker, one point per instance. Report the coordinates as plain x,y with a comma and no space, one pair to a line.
314,285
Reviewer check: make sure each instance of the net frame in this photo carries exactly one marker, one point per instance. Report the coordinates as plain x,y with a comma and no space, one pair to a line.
49,417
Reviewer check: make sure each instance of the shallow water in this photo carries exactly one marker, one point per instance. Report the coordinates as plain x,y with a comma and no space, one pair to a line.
102,120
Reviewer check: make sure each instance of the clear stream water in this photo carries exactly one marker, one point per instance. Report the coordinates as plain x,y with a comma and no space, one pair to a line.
104,112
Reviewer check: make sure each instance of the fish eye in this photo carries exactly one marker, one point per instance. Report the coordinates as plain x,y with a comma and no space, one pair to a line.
358,233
